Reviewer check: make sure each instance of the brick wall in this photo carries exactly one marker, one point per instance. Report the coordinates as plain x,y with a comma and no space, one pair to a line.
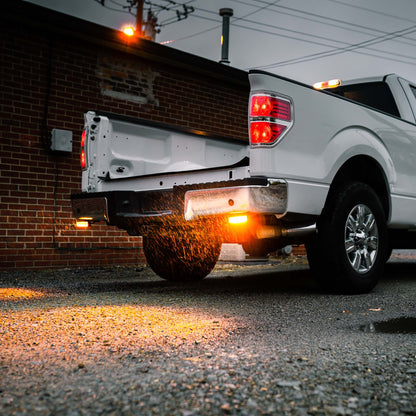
52,74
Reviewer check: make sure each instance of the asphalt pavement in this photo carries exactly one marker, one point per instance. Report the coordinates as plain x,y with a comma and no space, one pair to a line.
256,339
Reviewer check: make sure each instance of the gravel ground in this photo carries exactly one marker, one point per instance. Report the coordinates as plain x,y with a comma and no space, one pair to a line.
248,340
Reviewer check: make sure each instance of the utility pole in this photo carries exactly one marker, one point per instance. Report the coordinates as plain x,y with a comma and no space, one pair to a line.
148,29
139,18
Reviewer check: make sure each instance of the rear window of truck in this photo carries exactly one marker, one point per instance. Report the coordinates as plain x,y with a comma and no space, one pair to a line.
374,94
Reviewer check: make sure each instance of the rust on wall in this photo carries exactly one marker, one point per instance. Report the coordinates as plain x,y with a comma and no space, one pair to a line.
126,80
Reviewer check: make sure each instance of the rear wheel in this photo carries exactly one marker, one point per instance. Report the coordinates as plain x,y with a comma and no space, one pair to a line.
179,255
350,249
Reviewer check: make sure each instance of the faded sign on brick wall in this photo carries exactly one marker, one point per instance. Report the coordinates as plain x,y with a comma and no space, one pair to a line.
126,80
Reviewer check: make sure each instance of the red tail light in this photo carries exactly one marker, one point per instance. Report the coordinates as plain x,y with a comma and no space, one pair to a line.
267,106
263,132
83,157
270,118
261,105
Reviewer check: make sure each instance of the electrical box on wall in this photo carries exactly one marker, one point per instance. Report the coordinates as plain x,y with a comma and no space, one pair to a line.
61,140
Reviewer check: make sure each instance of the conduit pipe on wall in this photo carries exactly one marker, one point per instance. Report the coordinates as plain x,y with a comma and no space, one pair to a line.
225,38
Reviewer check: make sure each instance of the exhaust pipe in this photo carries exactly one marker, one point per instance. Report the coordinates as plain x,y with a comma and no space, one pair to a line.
299,232
271,231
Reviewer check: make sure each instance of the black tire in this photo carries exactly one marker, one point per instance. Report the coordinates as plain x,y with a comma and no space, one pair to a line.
181,256
350,249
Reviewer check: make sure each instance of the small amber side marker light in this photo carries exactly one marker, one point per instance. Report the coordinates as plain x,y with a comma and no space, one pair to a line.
239,219
82,224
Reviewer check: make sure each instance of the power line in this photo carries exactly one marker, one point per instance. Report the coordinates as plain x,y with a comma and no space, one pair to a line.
114,2
347,48
215,20
182,12
372,11
346,44
325,38
112,8
325,43
263,25
190,36
389,57
257,10
338,51
328,20
351,46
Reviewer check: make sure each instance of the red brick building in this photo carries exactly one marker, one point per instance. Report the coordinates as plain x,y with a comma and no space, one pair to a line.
56,67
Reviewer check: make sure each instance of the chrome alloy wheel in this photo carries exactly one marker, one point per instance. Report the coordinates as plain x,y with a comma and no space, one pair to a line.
361,238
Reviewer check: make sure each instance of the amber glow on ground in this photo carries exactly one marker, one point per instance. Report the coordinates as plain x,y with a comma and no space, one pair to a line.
67,332
11,293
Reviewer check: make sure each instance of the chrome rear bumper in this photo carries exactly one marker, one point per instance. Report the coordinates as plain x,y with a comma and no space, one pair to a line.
270,199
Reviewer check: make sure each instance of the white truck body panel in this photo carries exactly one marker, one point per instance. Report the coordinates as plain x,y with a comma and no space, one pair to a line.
341,130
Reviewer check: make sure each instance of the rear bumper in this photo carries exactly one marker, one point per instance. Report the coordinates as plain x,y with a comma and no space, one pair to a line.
90,209
252,195
269,199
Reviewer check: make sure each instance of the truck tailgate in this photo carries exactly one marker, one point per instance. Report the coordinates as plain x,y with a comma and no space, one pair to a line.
119,147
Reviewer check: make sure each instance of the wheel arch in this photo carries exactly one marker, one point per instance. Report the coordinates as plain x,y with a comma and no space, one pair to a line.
365,169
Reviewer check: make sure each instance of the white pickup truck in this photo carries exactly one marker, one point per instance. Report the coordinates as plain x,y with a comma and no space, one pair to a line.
333,168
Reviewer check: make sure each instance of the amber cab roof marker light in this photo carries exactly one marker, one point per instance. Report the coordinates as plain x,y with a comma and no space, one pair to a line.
333,83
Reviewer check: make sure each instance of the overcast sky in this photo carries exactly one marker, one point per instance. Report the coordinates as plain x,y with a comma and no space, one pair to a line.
306,40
